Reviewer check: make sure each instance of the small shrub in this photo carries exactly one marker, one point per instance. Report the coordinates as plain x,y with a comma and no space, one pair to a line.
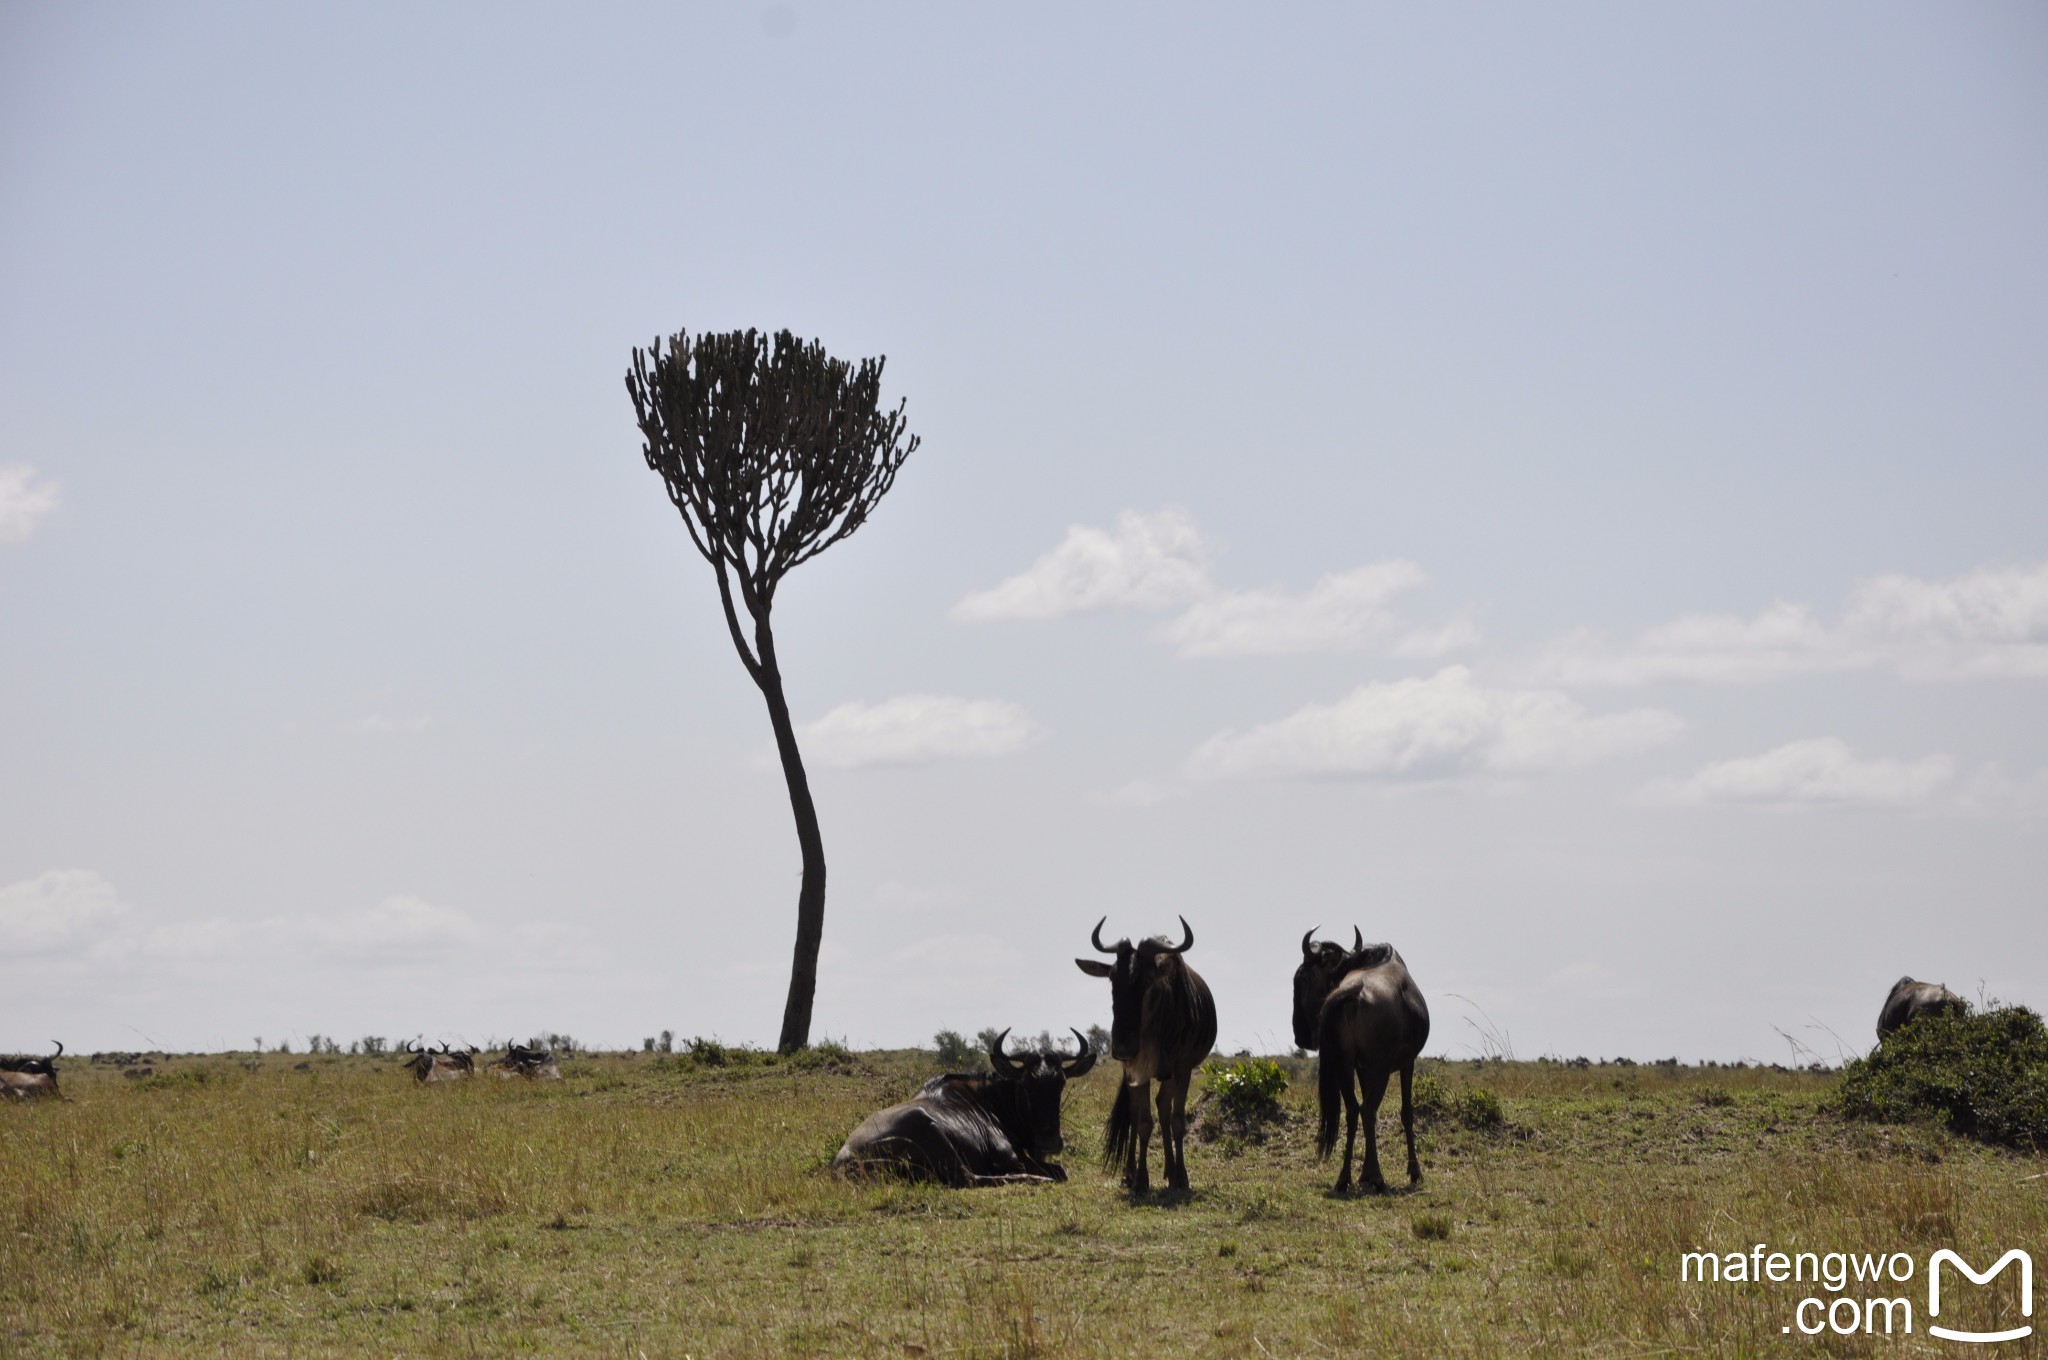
955,1053
708,1053
1247,1087
1431,1227
1476,1107
825,1057
1984,1076
1714,1097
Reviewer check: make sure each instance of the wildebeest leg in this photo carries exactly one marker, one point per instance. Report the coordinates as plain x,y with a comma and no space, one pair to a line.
1180,1128
1408,1119
1372,1089
1172,1150
1135,1174
1350,1134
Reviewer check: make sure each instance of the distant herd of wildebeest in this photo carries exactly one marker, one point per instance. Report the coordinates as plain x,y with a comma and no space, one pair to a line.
1357,1007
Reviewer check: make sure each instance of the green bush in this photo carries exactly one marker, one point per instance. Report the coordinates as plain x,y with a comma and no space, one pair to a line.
956,1054
1476,1107
1249,1086
1984,1076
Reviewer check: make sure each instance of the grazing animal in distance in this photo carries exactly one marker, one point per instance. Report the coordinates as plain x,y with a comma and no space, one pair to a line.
30,1078
534,1064
1162,1025
973,1128
1910,999
427,1065
1365,1017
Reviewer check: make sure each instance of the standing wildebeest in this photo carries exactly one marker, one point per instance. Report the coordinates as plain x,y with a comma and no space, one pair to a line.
534,1064
1910,999
1162,1024
973,1129
30,1078
427,1065
1363,1013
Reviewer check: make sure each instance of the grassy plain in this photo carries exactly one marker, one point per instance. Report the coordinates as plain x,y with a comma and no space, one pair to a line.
664,1208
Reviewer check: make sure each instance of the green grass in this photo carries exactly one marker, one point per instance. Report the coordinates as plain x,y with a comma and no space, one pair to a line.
672,1206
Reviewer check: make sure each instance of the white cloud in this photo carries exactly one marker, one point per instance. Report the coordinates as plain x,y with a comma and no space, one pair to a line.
1442,727
916,728
23,502
1345,611
1991,792
1820,772
400,927
1150,562
1160,560
1986,623
1989,622
55,909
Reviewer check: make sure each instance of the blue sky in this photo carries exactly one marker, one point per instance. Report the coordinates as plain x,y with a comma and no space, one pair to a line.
1561,489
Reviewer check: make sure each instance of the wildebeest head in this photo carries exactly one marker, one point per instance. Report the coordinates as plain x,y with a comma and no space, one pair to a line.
1137,971
1323,965
534,1064
427,1064
1041,1079
30,1078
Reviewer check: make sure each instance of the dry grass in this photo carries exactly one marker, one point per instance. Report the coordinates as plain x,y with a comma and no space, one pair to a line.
641,1208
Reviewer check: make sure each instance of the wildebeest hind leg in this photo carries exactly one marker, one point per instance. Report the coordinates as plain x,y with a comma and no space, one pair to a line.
1408,1119
1173,1130
1350,1134
1372,1089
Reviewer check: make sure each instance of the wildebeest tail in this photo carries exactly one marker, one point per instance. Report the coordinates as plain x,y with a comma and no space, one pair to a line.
1116,1137
1331,1078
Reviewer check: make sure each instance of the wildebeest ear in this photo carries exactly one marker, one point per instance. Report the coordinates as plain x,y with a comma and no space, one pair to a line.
1095,967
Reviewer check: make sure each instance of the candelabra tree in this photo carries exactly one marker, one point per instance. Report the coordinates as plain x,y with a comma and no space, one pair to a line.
772,451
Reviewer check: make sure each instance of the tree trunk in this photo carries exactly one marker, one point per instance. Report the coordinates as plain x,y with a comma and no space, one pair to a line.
810,898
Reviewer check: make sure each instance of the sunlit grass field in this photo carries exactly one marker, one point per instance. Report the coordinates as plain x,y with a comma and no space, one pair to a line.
656,1206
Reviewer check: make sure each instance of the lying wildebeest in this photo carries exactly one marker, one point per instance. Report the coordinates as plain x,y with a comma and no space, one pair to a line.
1162,1024
534,1064
30,1078
1364,1015
973,1129
1910,999
428,1065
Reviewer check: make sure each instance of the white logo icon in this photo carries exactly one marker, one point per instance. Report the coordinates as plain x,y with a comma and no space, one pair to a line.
1934,1293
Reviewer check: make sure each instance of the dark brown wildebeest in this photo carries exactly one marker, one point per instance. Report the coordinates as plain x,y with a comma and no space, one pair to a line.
534,1064
1910,999
974,1128
30,1078
1364,1015
428,1065
1162,1024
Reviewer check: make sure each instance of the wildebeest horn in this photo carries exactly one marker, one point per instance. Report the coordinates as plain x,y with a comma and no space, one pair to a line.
1096,939
1308,940
1079,1064
1357,939
405,1046
1002,1061
1188,938
60,1049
